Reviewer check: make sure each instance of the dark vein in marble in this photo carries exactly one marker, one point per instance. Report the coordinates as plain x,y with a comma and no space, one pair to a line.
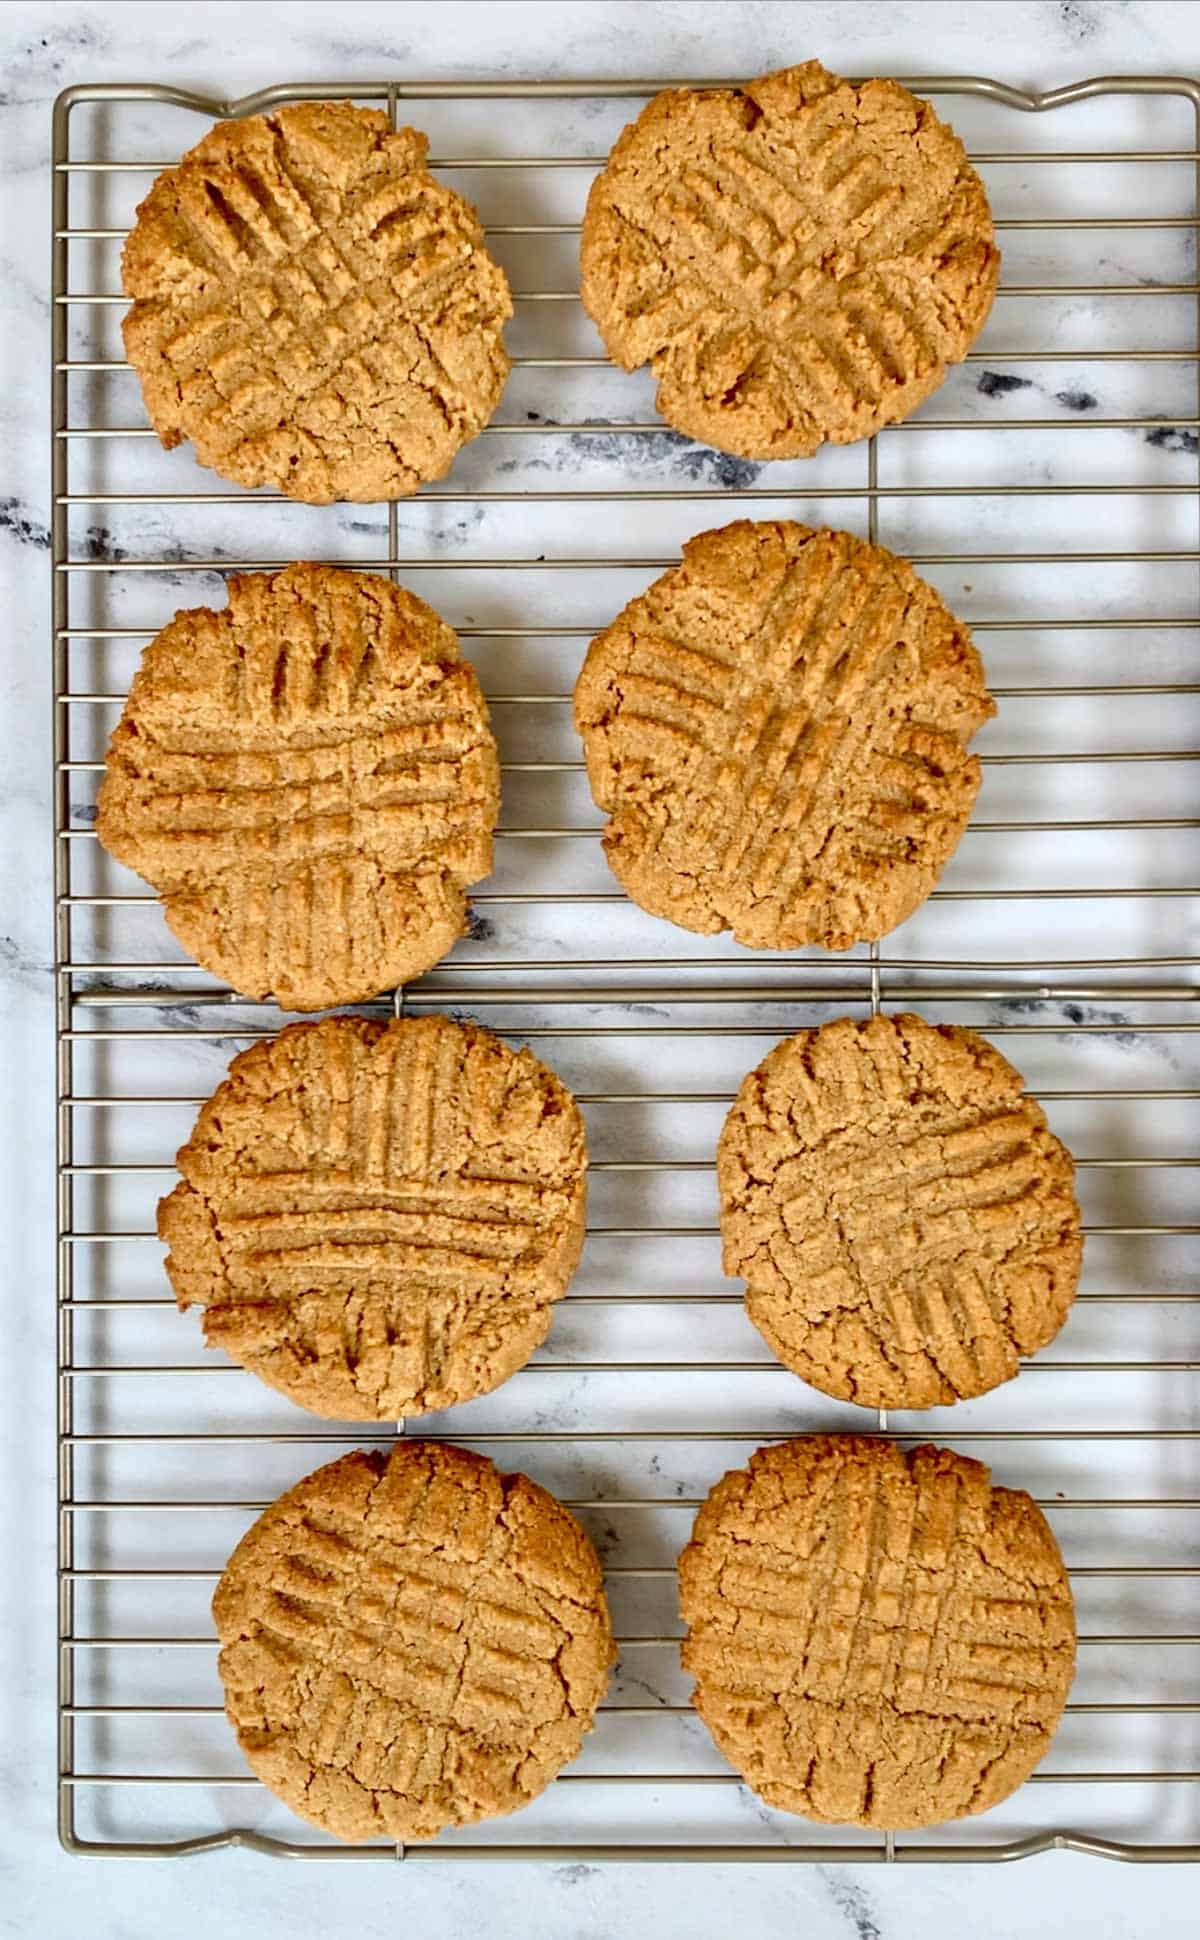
995,383
1078,20
15,520
17,967
851,1902
1179,439
1051,1012
1174,437
98,543
642,451
573,1875
46,58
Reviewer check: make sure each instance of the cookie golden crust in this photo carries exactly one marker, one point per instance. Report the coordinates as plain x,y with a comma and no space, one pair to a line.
797,261
313,308
309,780
378,1218
778,730
412,1642
878,1638
904,1220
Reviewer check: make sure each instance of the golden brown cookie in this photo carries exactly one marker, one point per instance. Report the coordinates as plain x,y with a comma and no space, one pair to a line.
778,729
309,780
412,1642
905,1222
378,1218
313,308
797,261
878,1638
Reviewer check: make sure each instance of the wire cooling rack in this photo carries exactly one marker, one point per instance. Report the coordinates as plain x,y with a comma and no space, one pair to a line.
1050,489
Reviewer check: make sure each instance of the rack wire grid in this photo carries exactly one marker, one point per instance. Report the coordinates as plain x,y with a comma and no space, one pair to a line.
1050,490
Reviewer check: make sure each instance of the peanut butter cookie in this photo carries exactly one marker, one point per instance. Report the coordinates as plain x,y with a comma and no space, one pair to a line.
313,308
778,729
378,1218
904,1220
412,1641
878,1638
309,780
798,260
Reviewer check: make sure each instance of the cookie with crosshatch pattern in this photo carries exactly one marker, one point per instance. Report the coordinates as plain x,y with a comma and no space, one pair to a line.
778,729
798,260
411,1641
878,1637
378,1218
308,778
313,308
903,1217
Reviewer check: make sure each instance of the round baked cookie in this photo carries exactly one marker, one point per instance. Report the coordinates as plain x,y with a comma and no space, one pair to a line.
778,729
904,1220
878,1638
313,308
309,779
411,1642
378,1218
798,260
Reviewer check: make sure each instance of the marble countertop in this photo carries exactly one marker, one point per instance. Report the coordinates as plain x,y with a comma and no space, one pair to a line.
1075,394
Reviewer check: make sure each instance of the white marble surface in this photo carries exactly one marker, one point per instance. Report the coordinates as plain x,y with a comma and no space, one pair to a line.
235,49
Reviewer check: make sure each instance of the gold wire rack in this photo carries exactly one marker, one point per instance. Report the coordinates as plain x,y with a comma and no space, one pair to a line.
651,1383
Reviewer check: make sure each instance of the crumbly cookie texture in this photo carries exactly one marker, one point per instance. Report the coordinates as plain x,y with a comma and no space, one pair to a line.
313,308
411,1642
798,260
378,1218
878,1638
904,1220
778,729
309,779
